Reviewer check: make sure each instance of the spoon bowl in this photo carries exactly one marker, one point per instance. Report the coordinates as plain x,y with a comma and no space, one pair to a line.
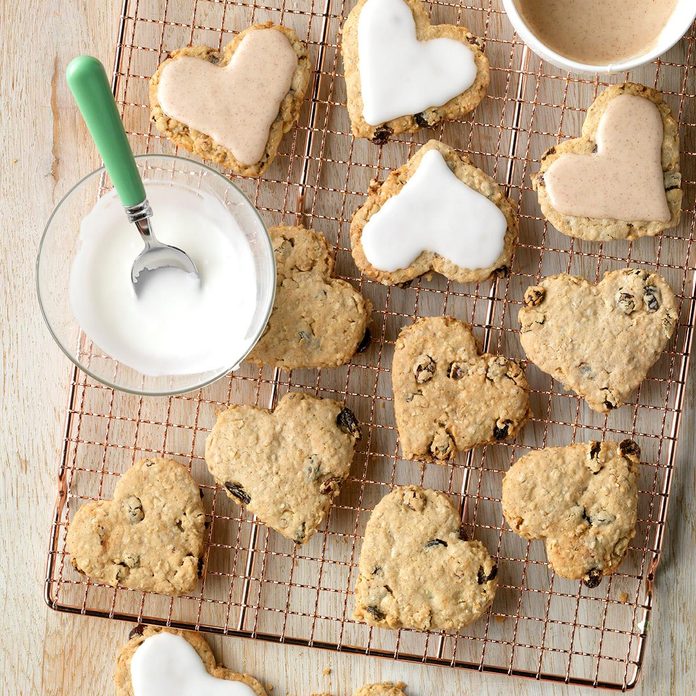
155,256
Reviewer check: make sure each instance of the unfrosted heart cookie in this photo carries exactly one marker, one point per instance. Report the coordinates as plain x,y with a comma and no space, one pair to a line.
382,689
598,340
285,466
447,397
435,213
317,320
415,569
233,106
621,179
149,537
167,661
582,500
403,73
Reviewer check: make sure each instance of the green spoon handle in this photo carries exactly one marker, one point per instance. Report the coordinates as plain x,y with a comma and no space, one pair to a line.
90,87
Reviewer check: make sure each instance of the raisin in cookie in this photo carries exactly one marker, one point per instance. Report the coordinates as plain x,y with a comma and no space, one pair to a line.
581,500
149,537
598,340
621,179
447,397
233,106
398,78
285,466
437,212
415,569
317,320
170,661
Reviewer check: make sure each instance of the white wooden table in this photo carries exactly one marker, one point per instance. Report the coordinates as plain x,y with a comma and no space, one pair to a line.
45,149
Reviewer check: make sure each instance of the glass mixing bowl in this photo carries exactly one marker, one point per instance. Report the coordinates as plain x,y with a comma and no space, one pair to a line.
59,244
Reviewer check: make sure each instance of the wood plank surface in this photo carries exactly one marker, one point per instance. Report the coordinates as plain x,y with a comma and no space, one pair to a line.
46,150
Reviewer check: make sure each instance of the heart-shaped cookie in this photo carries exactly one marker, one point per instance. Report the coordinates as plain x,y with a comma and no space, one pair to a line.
317,320
176,663
382,689
149,537
598,340
435,213
621,179
447,397
233,107
285,466
402,73
416,571
582,500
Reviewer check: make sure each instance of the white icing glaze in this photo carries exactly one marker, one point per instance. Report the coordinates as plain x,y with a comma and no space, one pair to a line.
435,211
167,665
175,325
400,75
235,105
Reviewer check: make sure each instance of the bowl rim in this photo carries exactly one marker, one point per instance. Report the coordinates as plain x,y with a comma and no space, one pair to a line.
560,61
164,392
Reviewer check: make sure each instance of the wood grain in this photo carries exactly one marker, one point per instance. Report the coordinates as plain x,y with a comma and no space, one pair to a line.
45,150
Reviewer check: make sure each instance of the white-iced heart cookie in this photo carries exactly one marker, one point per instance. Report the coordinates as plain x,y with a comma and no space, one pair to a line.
621,179
403,73
233,106
168,662
435,213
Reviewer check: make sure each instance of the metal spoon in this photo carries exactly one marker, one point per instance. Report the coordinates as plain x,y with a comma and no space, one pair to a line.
90,87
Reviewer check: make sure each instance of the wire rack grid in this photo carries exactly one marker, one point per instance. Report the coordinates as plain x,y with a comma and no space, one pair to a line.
257,584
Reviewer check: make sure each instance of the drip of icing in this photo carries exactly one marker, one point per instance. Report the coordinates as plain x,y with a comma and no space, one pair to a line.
235,105
624,179
435,211
400,75
167,665
176,326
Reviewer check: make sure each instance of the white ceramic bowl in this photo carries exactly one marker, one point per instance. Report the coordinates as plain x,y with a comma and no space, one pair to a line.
61,239
678,24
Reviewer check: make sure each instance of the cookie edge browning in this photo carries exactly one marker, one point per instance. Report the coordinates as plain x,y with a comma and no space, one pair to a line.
204,145
362,614
627,450
456,107
535,296
90,508
472,176
138,635
514,427
607,229
363,308
348,427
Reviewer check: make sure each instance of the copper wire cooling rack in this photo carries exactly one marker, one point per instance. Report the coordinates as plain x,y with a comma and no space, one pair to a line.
257,584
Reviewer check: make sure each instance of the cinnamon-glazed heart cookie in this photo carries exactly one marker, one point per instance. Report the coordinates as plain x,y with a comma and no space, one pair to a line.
233,106
621,179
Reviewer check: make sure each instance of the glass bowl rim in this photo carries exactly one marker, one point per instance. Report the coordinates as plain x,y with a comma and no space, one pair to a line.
142,392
